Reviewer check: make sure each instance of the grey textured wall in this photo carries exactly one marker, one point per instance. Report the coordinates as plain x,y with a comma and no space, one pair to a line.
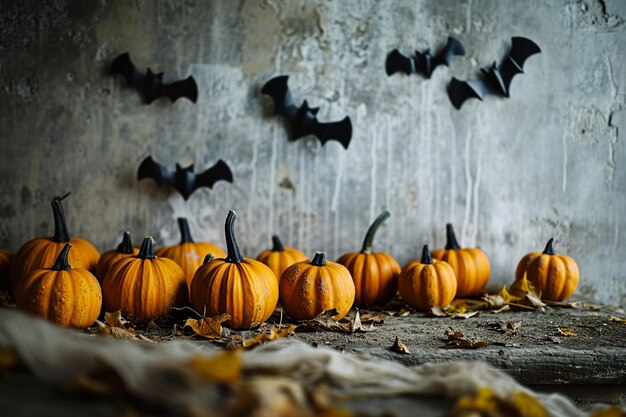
508,173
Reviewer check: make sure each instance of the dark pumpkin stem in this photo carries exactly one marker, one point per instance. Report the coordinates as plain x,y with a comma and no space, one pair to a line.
145,252
61,234
371,232
277,245
451,242
426,258
127,245
208,258
319,259
185,234
234,255
62,263
549,250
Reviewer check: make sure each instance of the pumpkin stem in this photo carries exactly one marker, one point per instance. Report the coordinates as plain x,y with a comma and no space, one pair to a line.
145,252
319,259
208,258
451,242
549,250
61,263
277,245
61,234
369,237
185,234
426,258
234,255
127,245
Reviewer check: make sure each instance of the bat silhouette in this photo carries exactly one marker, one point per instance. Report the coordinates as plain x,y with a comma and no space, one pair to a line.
496,78
183,180
303,120
151,85
423,62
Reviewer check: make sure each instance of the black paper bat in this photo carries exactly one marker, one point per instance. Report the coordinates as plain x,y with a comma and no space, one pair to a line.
303,120
497,78
183,180
423,62
151,85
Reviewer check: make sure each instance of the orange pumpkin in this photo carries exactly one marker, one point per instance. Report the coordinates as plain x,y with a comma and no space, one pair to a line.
309,288
244,288
471,265
5,263
41,252
556,276
427,283
144,286
189,254
375,274
108,258
66,296
279,257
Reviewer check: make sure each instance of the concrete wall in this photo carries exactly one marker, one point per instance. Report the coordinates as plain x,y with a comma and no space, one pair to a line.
508,173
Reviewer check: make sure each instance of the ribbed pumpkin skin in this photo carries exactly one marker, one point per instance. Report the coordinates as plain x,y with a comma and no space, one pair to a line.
69,298
279,261
189,256
307,290
109,258
375,277
522,266
556,276
471,267
424,286
40,253
247,290
144,289
5,266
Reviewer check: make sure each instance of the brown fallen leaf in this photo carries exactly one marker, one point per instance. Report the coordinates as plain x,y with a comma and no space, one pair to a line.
458,341
120,333
527,294
208,327
617,319
399,347
501,309
376,319
224,367
356,326
445,312
504,326
267,335
115,319
567,332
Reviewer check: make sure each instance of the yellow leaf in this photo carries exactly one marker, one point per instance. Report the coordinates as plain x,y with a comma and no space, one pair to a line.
399,347
528,406
115,319
223,367
567,332
208,327
268,335
617,319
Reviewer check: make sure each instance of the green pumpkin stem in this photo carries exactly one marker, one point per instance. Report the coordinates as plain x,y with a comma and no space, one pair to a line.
371,232
451,242
234,256
61,234
549,250
426,258
277,245
208,258
145,252
127,244
319,259
62,263
185,234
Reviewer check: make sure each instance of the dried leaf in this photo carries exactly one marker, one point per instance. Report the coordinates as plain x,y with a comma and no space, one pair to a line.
499,299
501,309
399,347
325,321
486,403
458,341
357,327
527,294
504,326
267,335
528,406
593,307
224,367
458,309
208,327
120,333
115,319
376,319
152,326
567,332
617,319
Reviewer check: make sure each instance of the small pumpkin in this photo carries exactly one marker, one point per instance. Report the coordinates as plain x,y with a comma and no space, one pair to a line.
279,257
5,263
67,296
375,274
189,254
309,288
244,288
555,276
427,283
471,265
144,286
108,258
41,252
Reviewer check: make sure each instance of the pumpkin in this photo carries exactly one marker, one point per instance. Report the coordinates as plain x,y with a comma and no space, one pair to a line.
309,288
5,263
555,276
427,283
244,288
67,296
375,274
279,257
144,286
189,254
41,252
471,265
108,258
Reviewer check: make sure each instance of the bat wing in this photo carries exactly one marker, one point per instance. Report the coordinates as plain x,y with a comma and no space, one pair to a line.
160,174
340,131
219,171
124,66
459,91
396,62
521,49
278,90
184,88
454,47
